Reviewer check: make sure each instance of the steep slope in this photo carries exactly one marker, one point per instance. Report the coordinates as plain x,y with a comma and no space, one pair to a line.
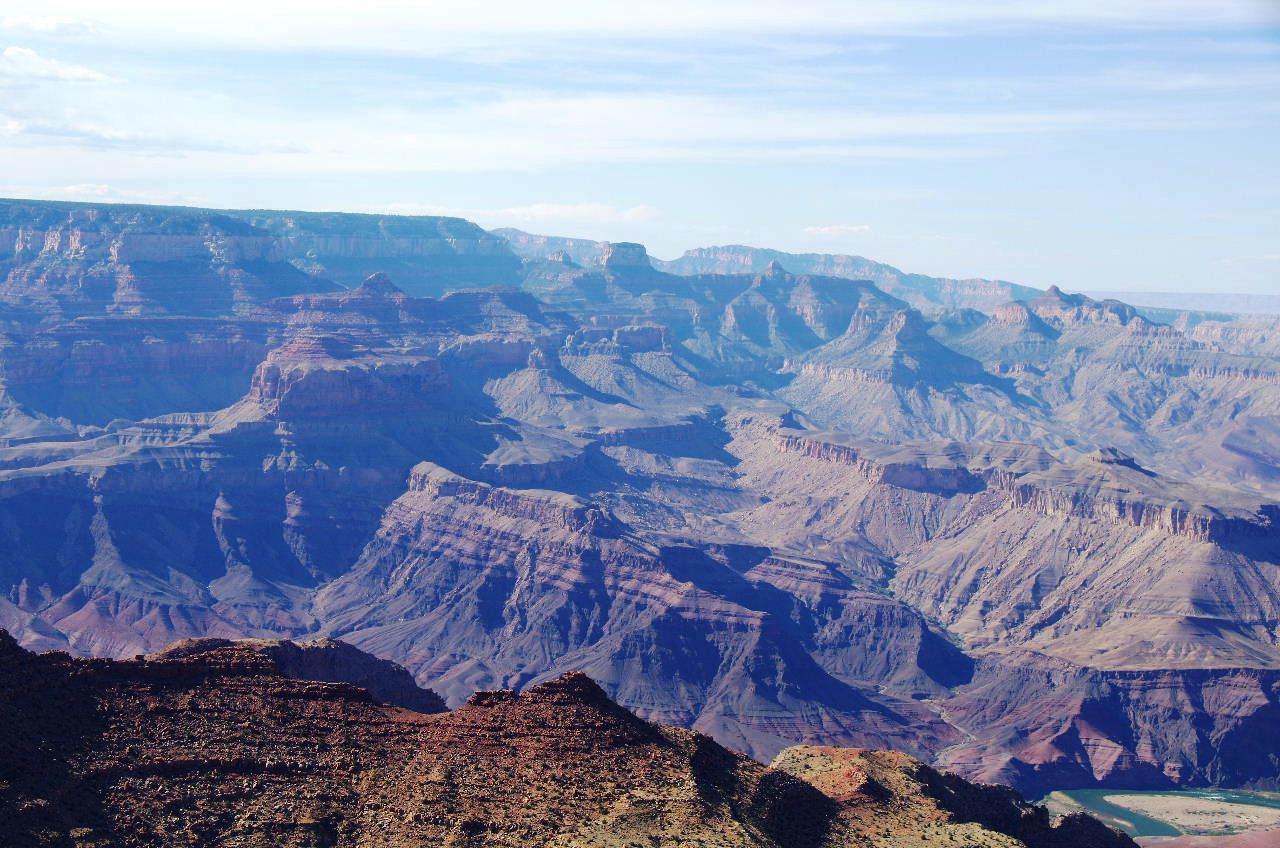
1063,371
1043,723
212,745
887,378
1150,614
474,587
222,525
1178,402
287,512
889,799
69,259
534,247
325,660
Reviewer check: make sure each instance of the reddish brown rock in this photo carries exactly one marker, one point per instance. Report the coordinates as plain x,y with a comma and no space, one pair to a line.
212,745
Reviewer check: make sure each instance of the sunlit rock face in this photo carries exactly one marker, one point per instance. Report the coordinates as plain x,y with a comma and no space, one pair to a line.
769,503
285,743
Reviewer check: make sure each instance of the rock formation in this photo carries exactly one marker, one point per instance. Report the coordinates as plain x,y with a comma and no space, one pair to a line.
210,743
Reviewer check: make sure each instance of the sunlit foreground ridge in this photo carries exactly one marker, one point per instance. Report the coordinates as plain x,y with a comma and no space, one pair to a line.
216,743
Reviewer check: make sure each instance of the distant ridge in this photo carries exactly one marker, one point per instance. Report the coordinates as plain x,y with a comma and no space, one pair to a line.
1220,304
230,259
929,294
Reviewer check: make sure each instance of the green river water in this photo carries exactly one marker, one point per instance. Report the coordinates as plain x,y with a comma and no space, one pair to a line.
1094,801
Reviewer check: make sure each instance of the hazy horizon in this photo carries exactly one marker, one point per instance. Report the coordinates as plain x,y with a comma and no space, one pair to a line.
1076,144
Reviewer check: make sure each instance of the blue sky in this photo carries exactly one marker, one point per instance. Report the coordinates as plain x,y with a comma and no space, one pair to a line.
1095,145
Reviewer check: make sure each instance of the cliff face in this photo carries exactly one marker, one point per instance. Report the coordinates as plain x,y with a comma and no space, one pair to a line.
68,259
425,255
476,580
325,660
529,246
210,743
1098,562
95,370
79,259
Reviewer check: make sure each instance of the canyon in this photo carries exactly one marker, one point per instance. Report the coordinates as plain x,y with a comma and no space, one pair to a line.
1026,536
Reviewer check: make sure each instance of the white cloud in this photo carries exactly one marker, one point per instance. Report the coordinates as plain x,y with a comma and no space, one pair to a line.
38,23
599,212
640,127
99,192
593,213
838,229
23,63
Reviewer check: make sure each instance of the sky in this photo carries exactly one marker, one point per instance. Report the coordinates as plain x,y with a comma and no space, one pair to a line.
1093,145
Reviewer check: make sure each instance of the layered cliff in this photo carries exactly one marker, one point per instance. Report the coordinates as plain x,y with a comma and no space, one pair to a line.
70,259
1045,724
474,586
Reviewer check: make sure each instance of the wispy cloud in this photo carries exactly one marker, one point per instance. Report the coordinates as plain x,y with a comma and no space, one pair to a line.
626,127
1211,46
39,23
96,134
20,64
838,229
535,213
99,192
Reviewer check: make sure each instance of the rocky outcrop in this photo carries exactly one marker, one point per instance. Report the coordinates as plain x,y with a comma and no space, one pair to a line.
95,370
921,474
326,660
624,255
68,259
1060,309
1196,522
215,745
583,252
889,799
1128,496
